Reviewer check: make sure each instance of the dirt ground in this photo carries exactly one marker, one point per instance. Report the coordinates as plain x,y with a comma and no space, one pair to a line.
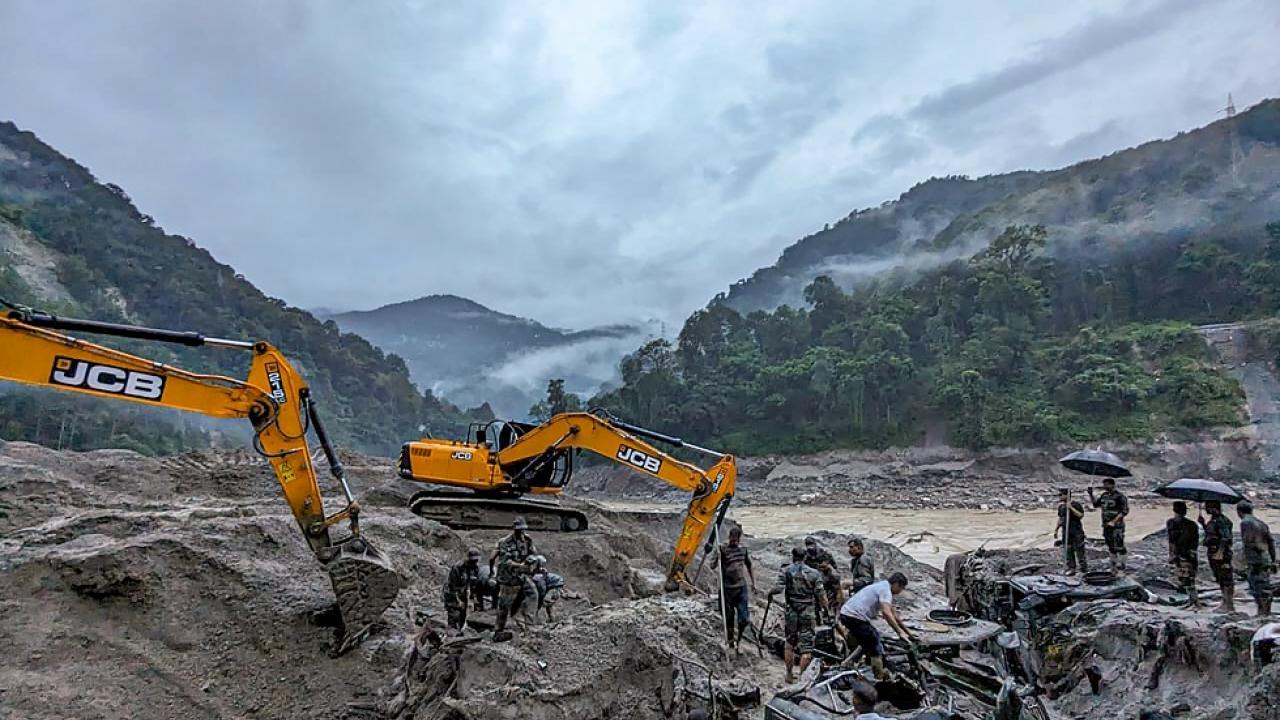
148,588
162,588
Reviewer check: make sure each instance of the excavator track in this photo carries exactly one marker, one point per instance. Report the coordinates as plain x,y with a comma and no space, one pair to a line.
365,585
468,511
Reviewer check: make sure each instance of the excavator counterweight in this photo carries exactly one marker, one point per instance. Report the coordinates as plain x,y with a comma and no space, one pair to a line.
274,398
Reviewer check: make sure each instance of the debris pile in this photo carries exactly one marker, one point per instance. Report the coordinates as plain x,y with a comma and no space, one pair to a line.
179,586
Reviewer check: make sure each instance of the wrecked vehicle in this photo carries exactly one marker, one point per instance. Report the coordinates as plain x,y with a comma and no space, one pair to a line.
957,668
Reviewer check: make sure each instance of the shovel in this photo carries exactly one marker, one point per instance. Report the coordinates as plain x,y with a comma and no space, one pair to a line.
760,633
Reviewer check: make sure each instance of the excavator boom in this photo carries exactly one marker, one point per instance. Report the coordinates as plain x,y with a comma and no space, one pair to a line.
514,459
274,398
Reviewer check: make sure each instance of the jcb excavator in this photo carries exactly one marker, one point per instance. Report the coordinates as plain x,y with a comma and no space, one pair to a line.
274,398
501,461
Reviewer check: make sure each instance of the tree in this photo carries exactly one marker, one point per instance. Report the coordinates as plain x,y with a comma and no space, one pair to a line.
558,401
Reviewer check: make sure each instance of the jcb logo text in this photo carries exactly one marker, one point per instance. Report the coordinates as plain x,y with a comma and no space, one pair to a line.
106,378
639,459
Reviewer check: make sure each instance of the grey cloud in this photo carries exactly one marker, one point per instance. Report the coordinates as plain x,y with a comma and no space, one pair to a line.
574,173
1082,44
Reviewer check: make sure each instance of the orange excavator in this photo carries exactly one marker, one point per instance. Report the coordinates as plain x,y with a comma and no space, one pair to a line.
480,482
274,399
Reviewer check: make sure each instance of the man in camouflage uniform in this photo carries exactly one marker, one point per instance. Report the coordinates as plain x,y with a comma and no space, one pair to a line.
1071,529
735,571
864,571
515,584
1259,555
1184,544
818,558
1115,508
801,586
1217,545
457,588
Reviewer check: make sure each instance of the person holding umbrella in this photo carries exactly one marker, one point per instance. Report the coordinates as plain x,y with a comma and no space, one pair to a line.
1070,514
1115,508
1217,545
1259,554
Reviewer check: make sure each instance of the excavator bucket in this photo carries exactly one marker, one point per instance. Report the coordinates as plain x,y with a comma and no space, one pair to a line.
365,585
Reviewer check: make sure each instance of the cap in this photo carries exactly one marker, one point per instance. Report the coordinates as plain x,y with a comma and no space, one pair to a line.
520,524
811,540
473,554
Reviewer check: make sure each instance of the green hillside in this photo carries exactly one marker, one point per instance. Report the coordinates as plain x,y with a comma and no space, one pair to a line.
1022,309
73,245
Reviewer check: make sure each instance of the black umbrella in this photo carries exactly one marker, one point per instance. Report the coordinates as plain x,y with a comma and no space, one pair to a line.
1196,490
1095,462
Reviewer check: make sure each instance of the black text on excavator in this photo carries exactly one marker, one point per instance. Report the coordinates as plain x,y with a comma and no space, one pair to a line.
274,398
480,481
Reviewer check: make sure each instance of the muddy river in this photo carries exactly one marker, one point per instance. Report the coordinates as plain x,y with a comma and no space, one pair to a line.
931,535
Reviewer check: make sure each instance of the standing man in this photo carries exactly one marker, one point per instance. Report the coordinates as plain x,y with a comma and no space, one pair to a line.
1115,508
864,571
514,570
1217,545
1070,516
1259,554
1184,544
457,588
863,608
818,558
801,586
735,570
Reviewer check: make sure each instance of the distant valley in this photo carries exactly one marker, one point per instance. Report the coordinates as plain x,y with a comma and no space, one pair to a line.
471,354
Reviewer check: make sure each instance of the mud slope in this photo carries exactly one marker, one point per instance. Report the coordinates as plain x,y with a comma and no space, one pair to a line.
140,588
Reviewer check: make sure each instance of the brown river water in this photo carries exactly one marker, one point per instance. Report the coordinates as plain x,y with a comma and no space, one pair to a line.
931,535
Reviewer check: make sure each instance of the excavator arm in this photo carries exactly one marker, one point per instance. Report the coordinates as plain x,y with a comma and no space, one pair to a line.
626,444
274,398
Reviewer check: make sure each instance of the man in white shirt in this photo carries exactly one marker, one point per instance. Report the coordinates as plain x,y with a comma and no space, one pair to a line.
860,611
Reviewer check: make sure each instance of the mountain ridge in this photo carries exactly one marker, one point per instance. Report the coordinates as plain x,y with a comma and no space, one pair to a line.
944,218
78,246
472,353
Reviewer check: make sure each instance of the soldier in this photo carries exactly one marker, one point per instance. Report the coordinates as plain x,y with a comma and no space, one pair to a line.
1069,522
864,571
1184,543
457,588
514,569
818,558
735,570
801,587
1115,508
1217,545
831,586
550,587
1259,555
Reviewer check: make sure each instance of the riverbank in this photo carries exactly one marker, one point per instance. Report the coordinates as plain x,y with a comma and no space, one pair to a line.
953,478
930,535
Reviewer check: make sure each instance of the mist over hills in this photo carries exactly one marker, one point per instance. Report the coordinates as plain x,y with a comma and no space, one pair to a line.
1159,192
471,354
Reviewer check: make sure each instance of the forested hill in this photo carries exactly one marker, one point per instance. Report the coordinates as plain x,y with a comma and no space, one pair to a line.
1072,325
472,354
1162,191
73,245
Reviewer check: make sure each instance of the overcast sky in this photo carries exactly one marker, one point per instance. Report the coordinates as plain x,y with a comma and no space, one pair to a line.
588,162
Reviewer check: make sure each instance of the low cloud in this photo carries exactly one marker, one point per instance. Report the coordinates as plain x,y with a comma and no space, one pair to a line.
585,162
